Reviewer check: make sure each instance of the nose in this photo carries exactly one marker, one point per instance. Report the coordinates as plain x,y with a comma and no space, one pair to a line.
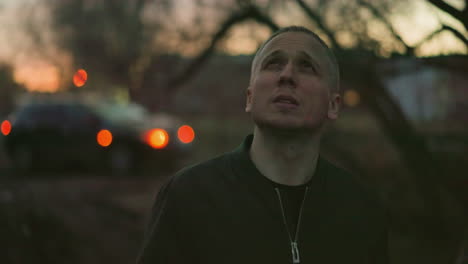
287,75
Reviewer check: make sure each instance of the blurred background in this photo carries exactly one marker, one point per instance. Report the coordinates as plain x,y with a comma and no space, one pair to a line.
102,100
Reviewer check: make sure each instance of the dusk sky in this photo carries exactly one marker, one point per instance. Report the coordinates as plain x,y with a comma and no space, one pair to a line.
38,69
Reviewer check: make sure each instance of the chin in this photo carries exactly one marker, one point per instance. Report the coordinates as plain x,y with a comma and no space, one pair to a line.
280,125
289,126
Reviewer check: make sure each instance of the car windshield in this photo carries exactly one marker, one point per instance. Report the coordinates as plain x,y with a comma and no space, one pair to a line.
126,113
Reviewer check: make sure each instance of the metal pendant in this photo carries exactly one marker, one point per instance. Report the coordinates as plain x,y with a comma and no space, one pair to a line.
295,253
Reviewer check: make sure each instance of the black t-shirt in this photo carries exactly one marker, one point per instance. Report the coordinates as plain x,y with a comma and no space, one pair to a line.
292,198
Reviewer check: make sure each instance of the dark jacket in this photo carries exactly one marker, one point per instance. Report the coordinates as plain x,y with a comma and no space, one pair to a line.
225,211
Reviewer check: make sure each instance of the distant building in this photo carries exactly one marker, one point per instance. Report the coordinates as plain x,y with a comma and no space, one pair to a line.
425,90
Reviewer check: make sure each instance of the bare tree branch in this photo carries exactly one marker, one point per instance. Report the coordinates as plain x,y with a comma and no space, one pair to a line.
457,33
441,29
461,16
319,21
429,37
388,25
249,12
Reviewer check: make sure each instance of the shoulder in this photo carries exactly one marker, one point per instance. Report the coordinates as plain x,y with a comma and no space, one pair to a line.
345,187
338,177
201,175
206,168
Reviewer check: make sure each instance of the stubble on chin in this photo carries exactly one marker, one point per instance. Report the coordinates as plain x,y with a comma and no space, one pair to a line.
283,126
280,127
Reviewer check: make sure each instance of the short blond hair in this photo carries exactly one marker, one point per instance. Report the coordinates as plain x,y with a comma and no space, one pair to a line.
301,29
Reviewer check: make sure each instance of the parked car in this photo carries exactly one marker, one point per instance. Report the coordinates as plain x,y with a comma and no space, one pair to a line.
71,133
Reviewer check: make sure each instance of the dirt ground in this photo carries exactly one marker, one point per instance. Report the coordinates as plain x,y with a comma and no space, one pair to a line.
74,218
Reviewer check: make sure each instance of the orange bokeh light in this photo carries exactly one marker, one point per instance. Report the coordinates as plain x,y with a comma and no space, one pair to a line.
104,138
80,77
157,138
6,127
186,134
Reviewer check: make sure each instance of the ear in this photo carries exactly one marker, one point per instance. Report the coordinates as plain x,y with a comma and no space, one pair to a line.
334,106
248,104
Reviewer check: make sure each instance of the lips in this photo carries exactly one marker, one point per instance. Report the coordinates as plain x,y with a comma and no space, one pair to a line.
286,99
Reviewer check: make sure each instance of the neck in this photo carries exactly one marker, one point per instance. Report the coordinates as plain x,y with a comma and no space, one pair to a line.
285,158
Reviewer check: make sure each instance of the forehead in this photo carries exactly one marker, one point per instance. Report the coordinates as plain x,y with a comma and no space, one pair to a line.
294,43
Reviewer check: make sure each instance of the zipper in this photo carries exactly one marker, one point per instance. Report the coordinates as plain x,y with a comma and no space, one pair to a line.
294,249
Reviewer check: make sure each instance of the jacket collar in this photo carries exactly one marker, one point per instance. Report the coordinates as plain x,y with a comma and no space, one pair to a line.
248,175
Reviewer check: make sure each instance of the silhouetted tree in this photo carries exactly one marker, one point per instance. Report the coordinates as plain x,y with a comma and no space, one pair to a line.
8,87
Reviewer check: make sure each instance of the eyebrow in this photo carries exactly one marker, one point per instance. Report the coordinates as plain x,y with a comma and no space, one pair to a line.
302,54
273,54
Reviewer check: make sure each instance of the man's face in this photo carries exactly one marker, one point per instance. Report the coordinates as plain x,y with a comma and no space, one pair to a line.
291,82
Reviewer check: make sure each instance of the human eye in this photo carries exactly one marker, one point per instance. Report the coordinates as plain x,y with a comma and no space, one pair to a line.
307,66
273,64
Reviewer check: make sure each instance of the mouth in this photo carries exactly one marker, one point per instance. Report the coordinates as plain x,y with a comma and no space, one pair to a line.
285,99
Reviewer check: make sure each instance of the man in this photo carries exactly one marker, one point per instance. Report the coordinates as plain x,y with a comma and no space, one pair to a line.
273,199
